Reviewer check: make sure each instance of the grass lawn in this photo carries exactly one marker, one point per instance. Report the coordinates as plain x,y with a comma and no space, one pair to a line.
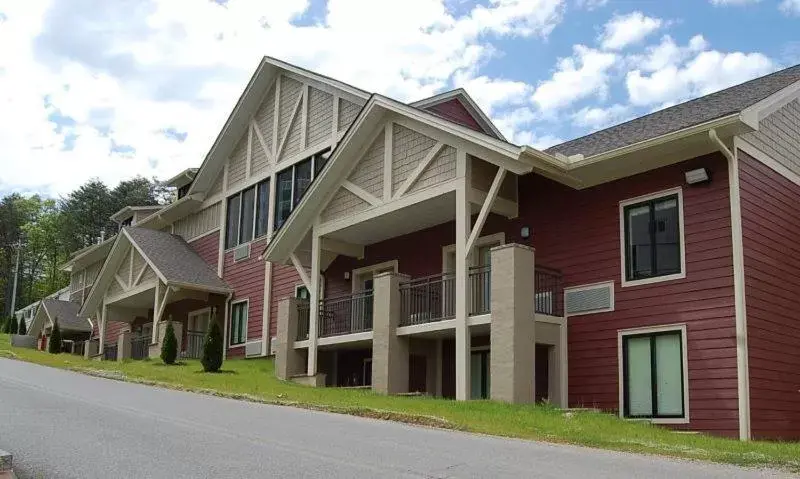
255,380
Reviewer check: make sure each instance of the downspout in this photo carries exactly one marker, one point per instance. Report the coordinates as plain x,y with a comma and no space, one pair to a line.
742,366
225,326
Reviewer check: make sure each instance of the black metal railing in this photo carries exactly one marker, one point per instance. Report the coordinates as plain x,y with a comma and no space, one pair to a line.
110,352
346,314
140,347
78,348
194,344
428,299
549,292
303,319
479,282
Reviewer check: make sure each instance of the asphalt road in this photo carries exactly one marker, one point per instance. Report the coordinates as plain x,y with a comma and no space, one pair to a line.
59,424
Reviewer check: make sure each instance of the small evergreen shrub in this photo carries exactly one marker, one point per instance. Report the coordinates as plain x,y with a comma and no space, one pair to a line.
54,343
212,349
11,325
169,348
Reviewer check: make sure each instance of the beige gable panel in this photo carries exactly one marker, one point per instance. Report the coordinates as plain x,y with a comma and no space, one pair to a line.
408,149
293,146
320,116
138,264
441,169
290,91
92,271
199,222
237,165
343,204
148,276
779,136
347,113
265,118
368,173
114,289
259,158
217,186
125,268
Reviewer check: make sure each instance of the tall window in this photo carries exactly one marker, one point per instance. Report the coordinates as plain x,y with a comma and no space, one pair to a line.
653,238
238,325
248,212
293,182
653,380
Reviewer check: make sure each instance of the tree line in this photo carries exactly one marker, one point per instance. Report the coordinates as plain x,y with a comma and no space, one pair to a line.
46,231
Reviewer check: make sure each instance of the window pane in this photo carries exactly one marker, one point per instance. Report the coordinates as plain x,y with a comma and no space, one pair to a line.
302,293
283,197
319,161
248,209
302,178
667,235
669,375
638,379
639,260
238,323
232,223
262,209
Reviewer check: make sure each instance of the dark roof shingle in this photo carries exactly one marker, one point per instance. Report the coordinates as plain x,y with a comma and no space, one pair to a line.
67,314
684,115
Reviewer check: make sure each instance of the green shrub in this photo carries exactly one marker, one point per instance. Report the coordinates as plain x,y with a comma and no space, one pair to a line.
54,343
21,329
169,348
11,325
212,349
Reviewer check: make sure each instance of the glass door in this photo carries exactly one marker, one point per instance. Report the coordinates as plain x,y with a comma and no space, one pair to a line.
479,374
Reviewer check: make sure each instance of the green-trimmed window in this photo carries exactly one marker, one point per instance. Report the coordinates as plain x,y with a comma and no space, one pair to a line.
238,325
653,379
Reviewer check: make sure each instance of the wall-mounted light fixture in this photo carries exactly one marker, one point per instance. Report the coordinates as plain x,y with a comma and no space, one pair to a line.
525,232
700,175
347,275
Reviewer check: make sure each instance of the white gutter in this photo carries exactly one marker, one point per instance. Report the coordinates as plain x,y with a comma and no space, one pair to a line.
742,353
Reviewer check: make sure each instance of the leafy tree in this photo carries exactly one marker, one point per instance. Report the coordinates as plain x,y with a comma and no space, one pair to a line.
22,329
169,348
54,343
11,325
213,347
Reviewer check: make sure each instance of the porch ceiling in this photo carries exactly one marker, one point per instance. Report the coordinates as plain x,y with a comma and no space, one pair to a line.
143,299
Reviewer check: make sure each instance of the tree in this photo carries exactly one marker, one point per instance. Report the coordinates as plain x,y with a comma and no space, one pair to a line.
11,325
22,329
54,343
169,348
212,348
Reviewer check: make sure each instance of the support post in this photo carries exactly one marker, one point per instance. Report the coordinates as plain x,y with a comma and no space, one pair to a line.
102,329
513,338
463,220
124,345
389,351
313,307
288,361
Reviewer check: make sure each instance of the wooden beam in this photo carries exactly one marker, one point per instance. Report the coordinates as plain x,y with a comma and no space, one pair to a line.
301,271
121,282
304,118
335,122
296,108
487,207
361,193
249,158
343,247
275,117
414,176
139,275
388,141
261,141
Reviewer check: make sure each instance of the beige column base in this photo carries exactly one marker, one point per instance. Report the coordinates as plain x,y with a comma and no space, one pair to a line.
289,362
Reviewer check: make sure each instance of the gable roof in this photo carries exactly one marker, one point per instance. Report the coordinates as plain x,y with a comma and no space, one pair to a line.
174,262
684,115
460,95
65,311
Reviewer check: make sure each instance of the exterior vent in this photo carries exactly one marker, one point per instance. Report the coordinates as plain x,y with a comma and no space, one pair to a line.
253,349
588,299
241,252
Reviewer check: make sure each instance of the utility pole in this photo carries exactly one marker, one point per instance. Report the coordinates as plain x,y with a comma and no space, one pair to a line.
16,275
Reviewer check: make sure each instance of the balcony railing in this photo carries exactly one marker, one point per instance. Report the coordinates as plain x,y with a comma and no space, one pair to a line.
195,340
480,289
549,292
303,319
110,352
140,347
346,314
428,299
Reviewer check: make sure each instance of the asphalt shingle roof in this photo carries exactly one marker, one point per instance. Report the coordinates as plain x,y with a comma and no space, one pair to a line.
67,314
684,115
175,259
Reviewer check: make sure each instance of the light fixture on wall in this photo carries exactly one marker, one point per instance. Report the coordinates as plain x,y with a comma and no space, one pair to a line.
347,275
525,232
700,175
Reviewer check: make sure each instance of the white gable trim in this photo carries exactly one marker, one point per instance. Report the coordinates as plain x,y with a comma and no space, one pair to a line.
753,114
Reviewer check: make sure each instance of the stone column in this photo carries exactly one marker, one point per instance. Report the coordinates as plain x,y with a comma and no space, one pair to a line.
90,348
124,345
513,341
288,361
389,351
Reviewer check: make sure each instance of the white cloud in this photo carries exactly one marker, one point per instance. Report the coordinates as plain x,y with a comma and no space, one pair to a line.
596,118
591,4
790,7
584,74
624,30
732,2
124,75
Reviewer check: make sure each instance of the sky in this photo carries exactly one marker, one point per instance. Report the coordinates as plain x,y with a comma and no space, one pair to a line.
113,89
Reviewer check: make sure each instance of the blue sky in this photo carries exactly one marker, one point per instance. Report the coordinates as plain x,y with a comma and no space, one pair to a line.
114,89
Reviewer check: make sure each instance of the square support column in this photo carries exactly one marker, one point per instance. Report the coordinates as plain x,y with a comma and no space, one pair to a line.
389,351
124,345
90,348
513,337
314,300
463,257
288,360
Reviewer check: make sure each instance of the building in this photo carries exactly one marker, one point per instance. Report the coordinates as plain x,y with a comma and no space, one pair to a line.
646,269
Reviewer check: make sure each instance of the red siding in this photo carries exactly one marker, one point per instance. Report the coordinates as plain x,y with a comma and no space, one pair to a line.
247,279
207,248
284,280
771,237
581,238
454,111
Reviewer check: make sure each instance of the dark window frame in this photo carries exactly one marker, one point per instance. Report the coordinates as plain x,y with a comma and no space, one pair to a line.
317,159
630,275
242,337
256,187
653,375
